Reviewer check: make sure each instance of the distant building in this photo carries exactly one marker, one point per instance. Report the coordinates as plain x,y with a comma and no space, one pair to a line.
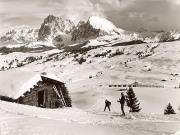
135,84
47,92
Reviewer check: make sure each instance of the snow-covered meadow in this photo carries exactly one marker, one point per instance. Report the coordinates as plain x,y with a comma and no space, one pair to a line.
22,119
88,84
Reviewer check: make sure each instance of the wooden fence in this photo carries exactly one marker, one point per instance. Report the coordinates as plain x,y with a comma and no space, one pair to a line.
136,85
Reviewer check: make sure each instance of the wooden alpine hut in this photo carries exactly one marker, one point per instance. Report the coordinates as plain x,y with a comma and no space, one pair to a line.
45,91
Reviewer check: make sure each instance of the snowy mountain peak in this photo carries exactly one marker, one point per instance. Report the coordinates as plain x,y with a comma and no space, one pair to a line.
53,26
18,35
101,23
94,27
64,25
105,26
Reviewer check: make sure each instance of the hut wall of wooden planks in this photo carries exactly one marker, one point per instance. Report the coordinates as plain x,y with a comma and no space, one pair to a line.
47,93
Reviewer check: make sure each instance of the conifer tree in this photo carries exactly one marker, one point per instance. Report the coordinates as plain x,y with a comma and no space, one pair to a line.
132,101
169,110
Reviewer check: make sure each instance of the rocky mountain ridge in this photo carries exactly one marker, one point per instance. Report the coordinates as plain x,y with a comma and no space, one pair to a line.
53,26
59,32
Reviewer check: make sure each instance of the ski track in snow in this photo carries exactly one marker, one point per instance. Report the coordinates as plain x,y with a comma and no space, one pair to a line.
4,129
24,116
177,133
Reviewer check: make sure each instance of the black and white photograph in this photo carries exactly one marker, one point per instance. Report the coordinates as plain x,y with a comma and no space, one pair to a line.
89,67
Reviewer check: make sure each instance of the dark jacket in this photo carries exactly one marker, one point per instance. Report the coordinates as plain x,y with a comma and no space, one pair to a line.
108,103
122,100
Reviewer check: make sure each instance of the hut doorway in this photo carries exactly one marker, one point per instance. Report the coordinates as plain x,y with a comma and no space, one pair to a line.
41,98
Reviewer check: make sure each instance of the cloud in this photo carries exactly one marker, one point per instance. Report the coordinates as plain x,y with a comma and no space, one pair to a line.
153,19
128,14
136,14
143,16
176,2
81,9
109,5
72,9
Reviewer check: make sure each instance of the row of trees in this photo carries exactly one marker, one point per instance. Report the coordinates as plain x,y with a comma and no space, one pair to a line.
133,103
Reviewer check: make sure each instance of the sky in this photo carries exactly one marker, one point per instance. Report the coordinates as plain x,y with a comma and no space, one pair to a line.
131,15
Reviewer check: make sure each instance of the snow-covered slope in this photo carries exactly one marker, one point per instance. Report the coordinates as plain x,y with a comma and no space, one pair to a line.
95,59
19,59
20,120
91,71
162,36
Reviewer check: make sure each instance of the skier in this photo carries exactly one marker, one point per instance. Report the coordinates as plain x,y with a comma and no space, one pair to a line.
122,101
107,104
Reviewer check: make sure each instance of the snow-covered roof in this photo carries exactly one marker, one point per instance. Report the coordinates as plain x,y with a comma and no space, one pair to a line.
33,81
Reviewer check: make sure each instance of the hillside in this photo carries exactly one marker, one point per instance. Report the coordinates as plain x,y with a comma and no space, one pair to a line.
91,70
